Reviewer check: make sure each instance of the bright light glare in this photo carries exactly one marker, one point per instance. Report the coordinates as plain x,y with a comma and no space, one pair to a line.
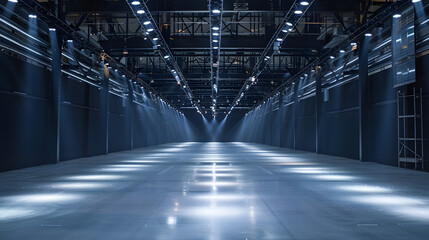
387,200
82,185
171,220
45,198
135,3
310,170
364,189
333,177
95,177
8,213
224,197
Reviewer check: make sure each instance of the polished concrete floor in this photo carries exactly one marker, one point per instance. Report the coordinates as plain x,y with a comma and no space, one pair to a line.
214,191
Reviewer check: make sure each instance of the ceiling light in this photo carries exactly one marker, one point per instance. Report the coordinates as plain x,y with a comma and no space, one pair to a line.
342,51
416,1
279,39
304,3
284,30
141,11
215,41
215,47
298,12
52,29
216,11
150,30
166,56
215,28
156,39
13,1
135,3
32,16
331,57
397,15
146,23
215,34
289,24
368,34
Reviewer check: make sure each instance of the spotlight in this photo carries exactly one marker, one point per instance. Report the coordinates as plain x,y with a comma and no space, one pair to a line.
215,47
166,56
52,29
32,16
13,1
215,28
368,34
304,3
135,3
216,11
331,57
342,51
215,41
289,24
284,30
279,39
146,23
397,15
140,11
298,12
215,34
416,1
150,30
156,39
70,41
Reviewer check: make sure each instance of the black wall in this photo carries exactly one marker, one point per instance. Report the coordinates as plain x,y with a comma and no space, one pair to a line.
26,124
339,120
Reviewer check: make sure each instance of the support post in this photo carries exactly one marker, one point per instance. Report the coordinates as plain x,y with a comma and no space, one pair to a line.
105,106
295,111
363,95
319,112
56,43
130,114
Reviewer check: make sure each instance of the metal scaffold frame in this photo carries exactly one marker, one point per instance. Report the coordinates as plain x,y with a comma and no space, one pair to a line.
410,128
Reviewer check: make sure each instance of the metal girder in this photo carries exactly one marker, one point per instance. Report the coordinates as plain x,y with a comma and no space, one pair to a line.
216,11
144,17
70,33
382,15
172,6
290,21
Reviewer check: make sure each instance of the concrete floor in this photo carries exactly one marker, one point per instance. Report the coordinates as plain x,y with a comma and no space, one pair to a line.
214,191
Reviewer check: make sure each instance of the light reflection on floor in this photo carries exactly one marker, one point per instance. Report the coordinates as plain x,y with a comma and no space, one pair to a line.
214,191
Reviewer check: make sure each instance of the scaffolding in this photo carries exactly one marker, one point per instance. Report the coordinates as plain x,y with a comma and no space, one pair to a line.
410,128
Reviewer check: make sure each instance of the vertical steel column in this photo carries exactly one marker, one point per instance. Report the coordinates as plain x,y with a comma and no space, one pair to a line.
105,107
319,103
130,115
280,120
295,111
363,95
56,43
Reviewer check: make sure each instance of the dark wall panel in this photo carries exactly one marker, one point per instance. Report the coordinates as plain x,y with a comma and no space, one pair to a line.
25,125
306,125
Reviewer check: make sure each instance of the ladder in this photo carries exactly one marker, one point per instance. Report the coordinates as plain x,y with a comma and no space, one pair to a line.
410,128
